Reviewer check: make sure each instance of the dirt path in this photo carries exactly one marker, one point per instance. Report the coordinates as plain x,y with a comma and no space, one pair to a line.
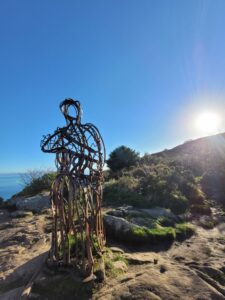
23,243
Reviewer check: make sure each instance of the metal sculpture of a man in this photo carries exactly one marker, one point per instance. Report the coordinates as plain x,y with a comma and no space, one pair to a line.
76,194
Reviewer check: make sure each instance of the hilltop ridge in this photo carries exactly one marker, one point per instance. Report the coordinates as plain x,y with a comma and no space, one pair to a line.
211,144
205,158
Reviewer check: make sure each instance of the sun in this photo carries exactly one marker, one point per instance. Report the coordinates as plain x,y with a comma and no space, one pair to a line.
207,123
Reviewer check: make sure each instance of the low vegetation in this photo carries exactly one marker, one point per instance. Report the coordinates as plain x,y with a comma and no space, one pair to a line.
188,177
161,234
35,184
156,181
153,235
111,269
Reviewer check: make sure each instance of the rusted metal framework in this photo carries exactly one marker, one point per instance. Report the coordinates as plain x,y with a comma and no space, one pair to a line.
77,234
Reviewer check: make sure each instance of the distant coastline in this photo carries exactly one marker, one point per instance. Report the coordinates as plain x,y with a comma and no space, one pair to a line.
10,184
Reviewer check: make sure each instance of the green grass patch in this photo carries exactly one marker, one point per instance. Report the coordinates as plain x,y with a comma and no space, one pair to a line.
153,235
184,230
120,257
109,259
161,234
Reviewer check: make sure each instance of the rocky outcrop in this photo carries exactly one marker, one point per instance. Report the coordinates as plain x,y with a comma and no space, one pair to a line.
131,225
117,225
144,213
36,204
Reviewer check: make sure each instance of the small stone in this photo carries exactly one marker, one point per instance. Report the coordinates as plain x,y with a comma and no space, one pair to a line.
116,250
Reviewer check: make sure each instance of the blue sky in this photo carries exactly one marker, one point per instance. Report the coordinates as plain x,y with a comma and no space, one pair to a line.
142,70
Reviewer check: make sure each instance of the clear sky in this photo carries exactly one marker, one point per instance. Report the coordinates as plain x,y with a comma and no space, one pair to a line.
143,71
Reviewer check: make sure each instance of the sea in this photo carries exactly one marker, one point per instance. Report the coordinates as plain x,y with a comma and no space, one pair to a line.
10,184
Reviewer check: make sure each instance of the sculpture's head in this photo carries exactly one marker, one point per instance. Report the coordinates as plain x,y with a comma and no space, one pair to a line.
71,110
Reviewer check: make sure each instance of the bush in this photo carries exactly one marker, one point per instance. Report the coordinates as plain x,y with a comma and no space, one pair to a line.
178,203
193,193
122,157
122,191
158,181
37,185
165,184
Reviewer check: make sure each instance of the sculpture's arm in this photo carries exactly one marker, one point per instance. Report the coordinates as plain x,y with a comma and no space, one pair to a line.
93,130
52,143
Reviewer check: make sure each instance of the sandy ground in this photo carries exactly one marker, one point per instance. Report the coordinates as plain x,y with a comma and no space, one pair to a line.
192,269
24,243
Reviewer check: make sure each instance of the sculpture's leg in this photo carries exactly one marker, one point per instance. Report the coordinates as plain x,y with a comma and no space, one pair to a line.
80,214
53,242
70,216
54,200
54,234
103,240
62,223
88,231
99,220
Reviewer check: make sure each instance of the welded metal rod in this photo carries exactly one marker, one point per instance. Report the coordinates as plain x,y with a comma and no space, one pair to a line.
76,193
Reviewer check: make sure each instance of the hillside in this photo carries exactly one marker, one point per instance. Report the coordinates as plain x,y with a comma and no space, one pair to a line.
205,157
189,176
208,151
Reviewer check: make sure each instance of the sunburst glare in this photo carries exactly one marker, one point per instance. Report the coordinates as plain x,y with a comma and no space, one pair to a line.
208,122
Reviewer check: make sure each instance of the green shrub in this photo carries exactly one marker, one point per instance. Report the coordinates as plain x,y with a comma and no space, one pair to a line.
122,157
37,185
146,187
160,180
178,203
122,191
193,193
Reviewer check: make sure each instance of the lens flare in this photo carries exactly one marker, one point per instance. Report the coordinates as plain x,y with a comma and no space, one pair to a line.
208,123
